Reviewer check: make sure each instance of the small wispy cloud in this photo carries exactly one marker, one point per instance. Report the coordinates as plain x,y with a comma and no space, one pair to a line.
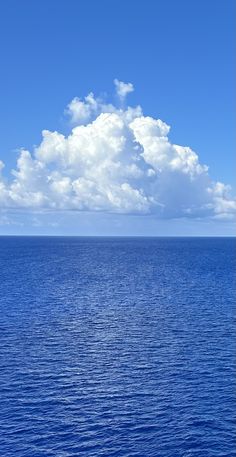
123,89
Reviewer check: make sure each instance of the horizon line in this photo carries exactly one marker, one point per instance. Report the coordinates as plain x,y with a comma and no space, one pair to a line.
114,236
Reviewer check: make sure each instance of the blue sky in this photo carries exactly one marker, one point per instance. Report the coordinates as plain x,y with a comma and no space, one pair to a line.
179,56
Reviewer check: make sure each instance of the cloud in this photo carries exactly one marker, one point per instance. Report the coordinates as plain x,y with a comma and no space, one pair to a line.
115,160
81,111
123,89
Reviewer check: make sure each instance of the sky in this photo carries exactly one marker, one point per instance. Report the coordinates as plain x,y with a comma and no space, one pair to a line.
136,102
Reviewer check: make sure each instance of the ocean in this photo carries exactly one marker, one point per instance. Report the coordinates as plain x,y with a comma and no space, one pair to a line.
117,347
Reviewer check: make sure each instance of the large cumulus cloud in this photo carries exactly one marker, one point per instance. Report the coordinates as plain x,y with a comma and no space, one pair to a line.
115,160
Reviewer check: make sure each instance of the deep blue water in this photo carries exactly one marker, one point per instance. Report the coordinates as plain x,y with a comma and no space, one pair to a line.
117,347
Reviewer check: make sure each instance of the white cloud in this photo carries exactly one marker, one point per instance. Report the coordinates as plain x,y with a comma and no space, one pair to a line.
123,89
115,160
81,111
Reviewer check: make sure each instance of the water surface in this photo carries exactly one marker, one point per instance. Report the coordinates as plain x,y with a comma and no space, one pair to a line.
117,347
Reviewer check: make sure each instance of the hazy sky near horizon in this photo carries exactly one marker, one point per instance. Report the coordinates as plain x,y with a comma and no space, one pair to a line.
136,102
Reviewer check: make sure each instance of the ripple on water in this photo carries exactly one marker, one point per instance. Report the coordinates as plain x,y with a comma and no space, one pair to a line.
117,347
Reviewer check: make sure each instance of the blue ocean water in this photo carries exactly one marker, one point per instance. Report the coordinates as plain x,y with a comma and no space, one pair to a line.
117,347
